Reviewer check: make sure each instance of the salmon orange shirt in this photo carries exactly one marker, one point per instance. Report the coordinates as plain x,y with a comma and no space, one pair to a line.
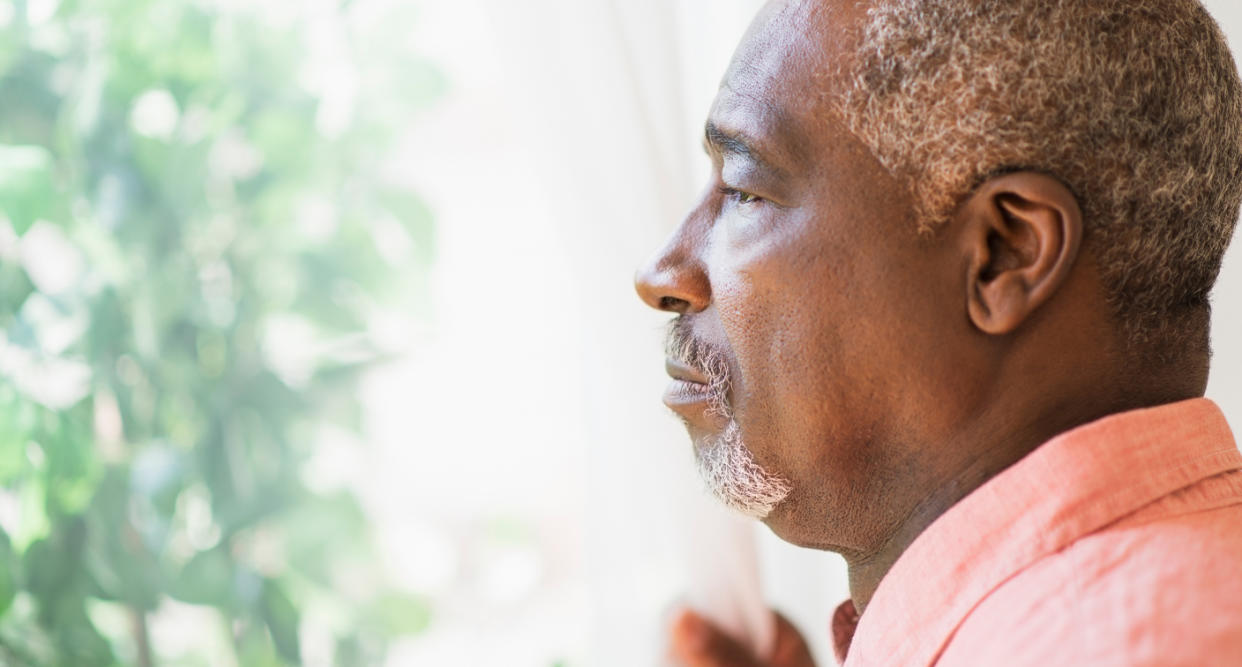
1116,543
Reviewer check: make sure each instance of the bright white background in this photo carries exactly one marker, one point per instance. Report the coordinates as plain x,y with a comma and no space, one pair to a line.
526,476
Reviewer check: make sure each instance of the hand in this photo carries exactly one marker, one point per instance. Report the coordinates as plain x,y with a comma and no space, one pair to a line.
698,643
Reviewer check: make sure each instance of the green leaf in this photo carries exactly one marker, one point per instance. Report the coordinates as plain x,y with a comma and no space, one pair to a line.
118,558
73,469
78,642
14,434
27,185
281,617
255,647
15,288
323,533
416,218
400,615
8,573
51,564
207,579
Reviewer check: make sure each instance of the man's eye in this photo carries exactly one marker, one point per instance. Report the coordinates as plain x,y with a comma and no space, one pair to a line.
740,197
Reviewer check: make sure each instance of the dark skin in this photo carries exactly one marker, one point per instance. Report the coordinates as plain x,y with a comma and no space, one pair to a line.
884,372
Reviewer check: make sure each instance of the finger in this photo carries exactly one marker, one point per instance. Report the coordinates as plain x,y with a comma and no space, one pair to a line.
791,649
698,643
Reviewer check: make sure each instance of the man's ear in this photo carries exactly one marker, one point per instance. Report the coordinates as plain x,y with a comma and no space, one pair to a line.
1021,233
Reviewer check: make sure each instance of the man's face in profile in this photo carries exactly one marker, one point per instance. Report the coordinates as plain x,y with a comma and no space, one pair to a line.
806,303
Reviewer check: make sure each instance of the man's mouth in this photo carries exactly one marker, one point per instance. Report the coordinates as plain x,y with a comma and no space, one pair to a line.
689,391
700,386
683,372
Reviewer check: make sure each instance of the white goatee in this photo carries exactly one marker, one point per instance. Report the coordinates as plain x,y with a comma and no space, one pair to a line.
732,474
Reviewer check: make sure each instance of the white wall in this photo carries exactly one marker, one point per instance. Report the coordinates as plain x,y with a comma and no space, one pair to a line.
1226,381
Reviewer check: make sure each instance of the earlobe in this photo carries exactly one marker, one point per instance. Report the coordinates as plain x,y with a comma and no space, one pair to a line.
1021,233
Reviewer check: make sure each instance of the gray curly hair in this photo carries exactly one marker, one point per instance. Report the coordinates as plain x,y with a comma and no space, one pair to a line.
1135,105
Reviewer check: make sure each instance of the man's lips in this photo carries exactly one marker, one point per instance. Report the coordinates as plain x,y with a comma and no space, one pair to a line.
680,371
689,391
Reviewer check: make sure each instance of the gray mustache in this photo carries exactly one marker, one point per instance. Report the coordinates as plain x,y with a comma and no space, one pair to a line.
681,344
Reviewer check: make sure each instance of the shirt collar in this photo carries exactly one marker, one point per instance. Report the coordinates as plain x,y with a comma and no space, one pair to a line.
1075,484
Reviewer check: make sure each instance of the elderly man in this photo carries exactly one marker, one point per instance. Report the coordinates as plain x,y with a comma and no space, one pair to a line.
943,309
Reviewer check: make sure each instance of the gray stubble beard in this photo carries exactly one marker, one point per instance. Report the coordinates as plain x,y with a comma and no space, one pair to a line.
726,465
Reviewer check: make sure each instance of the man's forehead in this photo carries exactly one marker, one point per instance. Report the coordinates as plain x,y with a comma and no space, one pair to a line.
801,33
786,66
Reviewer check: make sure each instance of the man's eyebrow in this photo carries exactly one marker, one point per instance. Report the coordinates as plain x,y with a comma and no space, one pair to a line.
729,143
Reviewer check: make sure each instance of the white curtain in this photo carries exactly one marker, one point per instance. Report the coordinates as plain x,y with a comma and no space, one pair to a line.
566,150
614,95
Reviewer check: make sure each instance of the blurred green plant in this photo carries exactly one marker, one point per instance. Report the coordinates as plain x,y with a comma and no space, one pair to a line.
198,220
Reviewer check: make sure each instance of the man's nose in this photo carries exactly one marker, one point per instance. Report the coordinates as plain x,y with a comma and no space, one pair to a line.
674,281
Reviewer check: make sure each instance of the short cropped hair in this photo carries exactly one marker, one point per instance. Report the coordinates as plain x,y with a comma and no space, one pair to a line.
1135,105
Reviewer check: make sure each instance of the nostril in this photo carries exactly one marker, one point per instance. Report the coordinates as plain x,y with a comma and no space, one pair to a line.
673,287
673,304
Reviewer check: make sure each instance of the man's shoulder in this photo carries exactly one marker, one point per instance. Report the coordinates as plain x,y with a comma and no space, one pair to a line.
1159,587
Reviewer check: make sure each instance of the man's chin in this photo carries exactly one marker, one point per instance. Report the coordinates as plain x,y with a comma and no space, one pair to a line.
733,475
703,423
